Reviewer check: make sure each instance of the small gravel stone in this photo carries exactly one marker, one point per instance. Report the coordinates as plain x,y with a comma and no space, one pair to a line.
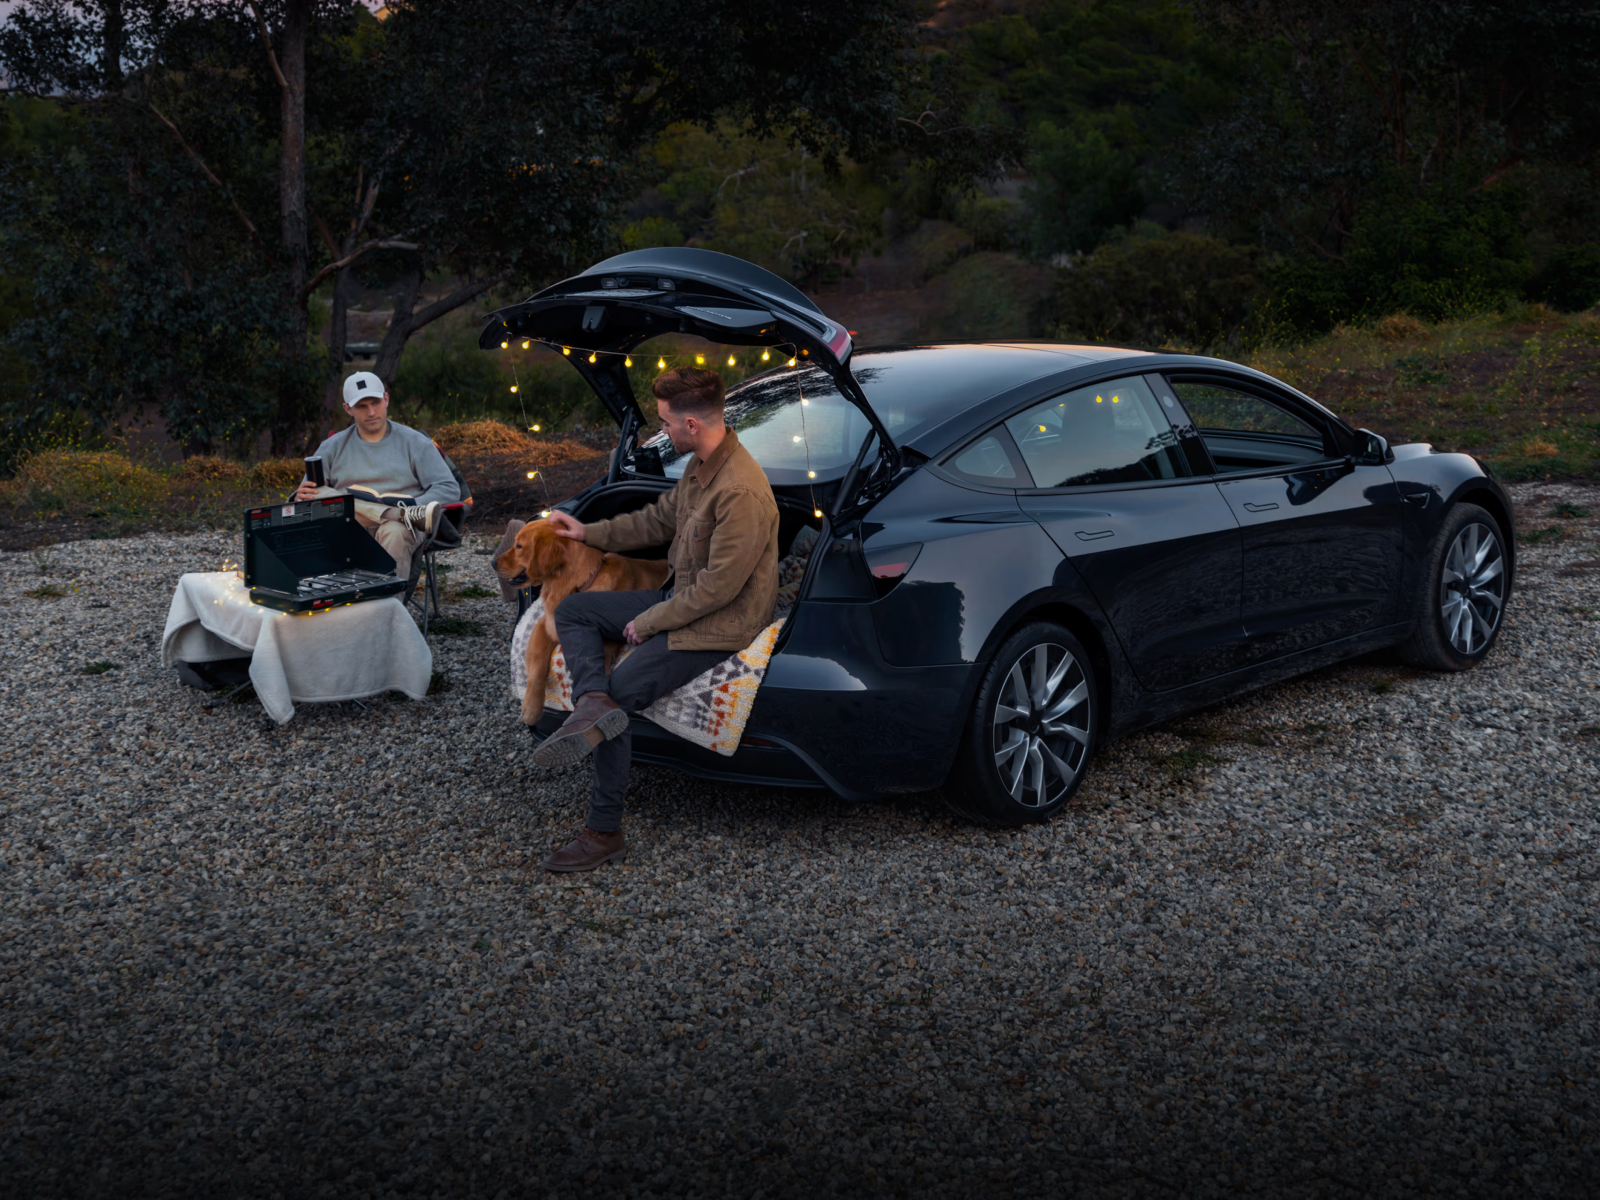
1335,937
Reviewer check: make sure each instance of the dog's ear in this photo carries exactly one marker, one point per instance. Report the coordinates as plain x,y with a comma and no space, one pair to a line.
548,554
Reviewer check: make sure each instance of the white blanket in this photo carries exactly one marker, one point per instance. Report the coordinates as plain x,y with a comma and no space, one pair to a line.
339,654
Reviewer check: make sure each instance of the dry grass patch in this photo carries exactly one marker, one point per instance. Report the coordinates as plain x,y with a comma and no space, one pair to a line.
1399,327
480,437
278,473
208,468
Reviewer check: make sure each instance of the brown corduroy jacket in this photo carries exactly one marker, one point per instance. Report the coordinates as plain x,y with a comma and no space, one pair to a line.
723,525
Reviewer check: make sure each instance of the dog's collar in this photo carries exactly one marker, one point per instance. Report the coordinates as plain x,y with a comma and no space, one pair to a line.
593,573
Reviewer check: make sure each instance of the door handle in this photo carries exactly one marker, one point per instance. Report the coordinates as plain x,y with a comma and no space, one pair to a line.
1268,507
1084,535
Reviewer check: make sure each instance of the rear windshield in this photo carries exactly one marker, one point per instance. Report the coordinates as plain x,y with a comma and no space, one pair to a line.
799,428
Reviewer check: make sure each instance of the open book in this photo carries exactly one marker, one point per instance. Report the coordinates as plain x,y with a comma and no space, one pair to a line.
384,499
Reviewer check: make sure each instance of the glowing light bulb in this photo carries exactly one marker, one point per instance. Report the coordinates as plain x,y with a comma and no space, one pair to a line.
766,355
791,362
627,362
804,403
566,350
816,512
730,360
505,345
1042,429
531,474
524,343
1114,399
593,358
513,387
699,360
797,437
545,513
811,474
661,364
535,428
1099,400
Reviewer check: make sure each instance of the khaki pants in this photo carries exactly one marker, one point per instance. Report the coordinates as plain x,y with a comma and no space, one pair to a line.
384,524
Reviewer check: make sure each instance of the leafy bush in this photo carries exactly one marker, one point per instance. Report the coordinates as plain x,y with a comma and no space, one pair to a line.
79,482
993,296
1570,278
1151,288
278,474
207,468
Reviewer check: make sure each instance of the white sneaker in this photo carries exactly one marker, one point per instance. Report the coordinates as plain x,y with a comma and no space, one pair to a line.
419,517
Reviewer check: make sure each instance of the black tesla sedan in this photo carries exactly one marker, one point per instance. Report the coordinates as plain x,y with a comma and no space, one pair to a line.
1027,549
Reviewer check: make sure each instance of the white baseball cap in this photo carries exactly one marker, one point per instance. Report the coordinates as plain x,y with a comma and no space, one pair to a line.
363,385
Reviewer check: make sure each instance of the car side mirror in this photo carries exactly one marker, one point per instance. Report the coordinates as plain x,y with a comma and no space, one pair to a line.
1372,450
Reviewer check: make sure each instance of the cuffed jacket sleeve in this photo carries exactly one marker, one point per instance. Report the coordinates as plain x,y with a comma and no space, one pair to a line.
653,525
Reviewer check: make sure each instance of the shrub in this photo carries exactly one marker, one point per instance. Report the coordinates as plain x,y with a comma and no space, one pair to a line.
278,474
1399,327
993,296
479,437
1569,279
207,468
1151,288
76,482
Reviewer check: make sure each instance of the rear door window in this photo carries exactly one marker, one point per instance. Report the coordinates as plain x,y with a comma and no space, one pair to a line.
1110,433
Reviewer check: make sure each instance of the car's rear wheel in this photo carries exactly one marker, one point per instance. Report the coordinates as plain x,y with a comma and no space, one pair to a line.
1465,586
1031,732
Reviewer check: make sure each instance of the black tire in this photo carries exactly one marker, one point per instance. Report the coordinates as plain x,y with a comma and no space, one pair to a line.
1460,604
1017,769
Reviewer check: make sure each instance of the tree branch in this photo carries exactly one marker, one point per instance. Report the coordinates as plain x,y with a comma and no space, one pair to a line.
327,234
454,301
211,175
331,268
266,42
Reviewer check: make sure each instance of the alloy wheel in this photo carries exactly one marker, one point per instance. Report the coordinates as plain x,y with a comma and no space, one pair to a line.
1041,724
1472,588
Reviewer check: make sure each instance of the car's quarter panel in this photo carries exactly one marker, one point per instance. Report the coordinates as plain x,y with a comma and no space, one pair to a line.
977,553
1323,550
1164,562
864,726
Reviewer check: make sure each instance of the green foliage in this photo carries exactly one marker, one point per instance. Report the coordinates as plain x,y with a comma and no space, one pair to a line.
762,198
1570,278
1151,288
994,295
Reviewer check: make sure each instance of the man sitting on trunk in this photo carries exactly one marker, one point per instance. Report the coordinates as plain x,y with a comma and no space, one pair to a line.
722,521
399,471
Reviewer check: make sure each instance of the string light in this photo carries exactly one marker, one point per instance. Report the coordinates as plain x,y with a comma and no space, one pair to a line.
513,388
532,474
594,358
798,438
567,350
804,403
817,512
661,364
730,360
545,513
791,362
811,474
699,360
766,355
533,428
524,343
505,345
627,362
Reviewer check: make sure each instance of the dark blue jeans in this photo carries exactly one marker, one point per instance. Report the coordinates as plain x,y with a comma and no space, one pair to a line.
584,623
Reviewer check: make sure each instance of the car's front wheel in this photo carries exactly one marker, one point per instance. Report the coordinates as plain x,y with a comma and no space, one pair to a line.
1465,585
1031,732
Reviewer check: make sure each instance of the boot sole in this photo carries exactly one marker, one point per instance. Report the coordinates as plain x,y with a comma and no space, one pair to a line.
621,856
563,750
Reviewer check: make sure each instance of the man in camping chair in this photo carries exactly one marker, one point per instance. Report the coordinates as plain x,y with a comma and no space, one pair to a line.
399,479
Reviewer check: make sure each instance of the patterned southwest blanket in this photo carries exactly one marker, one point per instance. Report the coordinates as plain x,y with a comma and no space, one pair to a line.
710,710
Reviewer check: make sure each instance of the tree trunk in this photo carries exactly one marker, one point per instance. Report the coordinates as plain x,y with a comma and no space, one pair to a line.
338,337
111,45
292,207
400,327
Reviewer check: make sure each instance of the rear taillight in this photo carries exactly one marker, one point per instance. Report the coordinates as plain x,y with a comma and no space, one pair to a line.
890,565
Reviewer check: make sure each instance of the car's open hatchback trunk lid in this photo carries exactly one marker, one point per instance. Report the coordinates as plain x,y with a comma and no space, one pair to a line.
617,304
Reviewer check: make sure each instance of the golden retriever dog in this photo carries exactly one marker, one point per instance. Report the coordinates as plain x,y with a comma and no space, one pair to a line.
562,566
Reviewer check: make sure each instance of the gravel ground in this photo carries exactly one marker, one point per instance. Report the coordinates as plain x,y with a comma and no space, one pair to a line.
1335,937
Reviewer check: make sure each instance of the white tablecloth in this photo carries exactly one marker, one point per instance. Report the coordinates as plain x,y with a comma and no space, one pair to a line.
341,654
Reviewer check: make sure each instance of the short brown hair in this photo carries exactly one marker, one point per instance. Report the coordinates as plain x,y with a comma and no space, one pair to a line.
692,391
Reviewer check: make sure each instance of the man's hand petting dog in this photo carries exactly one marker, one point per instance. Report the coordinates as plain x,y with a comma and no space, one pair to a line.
633,638
306,491
567,525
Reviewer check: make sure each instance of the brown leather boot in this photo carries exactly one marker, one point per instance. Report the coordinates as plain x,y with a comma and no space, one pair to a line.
595,719
587,851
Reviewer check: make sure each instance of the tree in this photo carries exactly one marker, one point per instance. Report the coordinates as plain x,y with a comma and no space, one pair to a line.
438,145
